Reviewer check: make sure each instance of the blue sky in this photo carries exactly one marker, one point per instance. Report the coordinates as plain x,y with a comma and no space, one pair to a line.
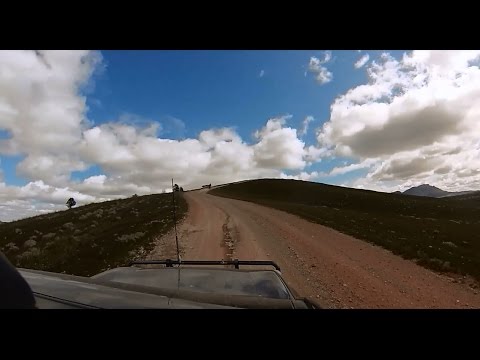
97,125
208,89
191,91
215,89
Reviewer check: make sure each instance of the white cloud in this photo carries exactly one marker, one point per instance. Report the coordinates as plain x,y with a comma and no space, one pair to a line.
416,121
328,57
278,146
321,73
304,129
314,154
305,176
35,198
95,180
262,73
146,163
352,167
40,106
362,61
43,109
128,155
18,209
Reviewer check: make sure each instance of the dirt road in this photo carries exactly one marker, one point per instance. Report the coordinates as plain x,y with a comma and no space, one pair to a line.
336,270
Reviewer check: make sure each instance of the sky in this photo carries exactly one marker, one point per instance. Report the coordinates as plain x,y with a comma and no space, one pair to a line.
100,125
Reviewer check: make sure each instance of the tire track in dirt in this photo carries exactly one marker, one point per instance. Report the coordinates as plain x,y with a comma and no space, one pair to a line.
204,234
229,237
335,269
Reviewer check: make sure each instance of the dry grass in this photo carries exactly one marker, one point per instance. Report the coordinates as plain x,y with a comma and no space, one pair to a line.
92,238
440,234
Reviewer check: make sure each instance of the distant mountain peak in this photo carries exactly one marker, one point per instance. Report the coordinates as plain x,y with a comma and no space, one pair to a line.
426,190
428,185
431,191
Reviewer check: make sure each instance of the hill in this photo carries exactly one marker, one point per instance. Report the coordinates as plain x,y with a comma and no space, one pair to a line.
439,233
92,238
432,191
426,190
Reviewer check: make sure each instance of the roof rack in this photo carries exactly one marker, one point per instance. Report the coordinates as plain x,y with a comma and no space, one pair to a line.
236,262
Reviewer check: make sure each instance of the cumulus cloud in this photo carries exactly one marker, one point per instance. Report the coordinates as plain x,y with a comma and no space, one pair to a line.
36,198
131,156
43,111
328,56
40,192
405,167
315,154
352,167
415,121
278,146
19,209
305,176
304,129
321,73
362,61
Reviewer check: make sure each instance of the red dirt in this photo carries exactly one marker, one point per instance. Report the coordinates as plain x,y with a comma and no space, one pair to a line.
336,270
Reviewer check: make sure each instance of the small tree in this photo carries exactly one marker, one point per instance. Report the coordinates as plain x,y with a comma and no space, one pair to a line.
71,202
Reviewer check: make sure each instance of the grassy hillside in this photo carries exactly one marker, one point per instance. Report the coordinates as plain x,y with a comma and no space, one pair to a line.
92,238
441,234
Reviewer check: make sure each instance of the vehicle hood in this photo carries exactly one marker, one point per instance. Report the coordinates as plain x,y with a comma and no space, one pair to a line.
165,288
260,283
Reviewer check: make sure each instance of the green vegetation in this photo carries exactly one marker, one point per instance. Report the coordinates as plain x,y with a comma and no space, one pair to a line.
92,238
441,234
